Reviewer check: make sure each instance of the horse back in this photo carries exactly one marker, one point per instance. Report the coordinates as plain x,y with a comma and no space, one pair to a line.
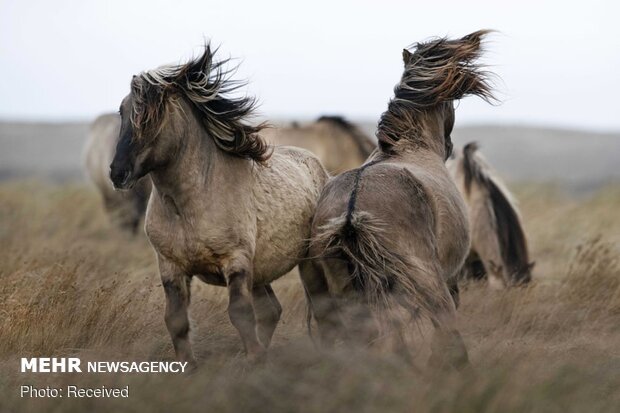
391,194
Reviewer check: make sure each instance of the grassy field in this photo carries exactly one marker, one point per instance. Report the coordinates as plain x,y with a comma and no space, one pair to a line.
71,285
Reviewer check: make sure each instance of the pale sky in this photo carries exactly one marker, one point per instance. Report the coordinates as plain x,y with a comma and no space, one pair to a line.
559,61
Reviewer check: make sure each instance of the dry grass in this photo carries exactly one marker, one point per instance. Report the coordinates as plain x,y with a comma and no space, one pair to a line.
73,286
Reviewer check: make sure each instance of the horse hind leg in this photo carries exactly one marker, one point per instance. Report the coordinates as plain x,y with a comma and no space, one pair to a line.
321,304
448,347
268,311
241,311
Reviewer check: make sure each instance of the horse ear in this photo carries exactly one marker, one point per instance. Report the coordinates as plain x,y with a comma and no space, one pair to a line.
407,56
531,265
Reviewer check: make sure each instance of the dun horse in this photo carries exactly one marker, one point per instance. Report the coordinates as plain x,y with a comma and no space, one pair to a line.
339,144
394,232
224,206
499,246
124,208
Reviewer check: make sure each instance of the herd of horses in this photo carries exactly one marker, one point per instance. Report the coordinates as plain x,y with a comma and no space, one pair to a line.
382,233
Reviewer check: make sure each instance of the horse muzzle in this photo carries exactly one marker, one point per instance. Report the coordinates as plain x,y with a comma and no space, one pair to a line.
121,178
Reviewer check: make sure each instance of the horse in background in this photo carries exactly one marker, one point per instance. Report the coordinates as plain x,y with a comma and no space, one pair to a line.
339,144
225,206
125,209
393,233
499,247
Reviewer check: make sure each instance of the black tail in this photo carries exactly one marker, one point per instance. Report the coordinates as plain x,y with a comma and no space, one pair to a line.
509,231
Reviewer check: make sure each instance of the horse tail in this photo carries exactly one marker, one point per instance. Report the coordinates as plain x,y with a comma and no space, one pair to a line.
381,277
507,223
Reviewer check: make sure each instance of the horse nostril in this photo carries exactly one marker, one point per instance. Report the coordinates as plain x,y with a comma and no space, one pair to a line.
119,176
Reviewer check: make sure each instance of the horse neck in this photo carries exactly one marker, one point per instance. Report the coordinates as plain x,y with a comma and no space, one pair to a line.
432,132
189,175
426,134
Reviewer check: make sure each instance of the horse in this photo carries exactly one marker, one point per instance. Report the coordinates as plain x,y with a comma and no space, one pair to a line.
499,247
225,206
125,209
393,234
339,144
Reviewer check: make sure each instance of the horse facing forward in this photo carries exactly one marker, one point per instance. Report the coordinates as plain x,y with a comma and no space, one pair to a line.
498,247
393,233
224,206
339,144
125,209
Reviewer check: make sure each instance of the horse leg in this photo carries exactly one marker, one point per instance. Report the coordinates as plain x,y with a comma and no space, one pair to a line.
447,344
241,311
177,289
268,312
320,304
140,198
495,276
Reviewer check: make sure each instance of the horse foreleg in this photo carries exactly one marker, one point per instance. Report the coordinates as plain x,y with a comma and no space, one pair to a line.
241,311
177,289
495,276
268,312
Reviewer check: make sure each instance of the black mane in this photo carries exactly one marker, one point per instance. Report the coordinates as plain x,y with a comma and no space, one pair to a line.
364,143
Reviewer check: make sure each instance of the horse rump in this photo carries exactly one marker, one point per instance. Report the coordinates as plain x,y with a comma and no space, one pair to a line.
381,282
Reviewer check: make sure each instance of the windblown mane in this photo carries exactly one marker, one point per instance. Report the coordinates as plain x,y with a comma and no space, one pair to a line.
365,145
509,231
438,71
207,87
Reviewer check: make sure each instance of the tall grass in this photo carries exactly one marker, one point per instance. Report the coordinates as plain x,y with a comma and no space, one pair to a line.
72,285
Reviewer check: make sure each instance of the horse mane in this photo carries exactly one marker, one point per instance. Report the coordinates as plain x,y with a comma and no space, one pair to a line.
207,86
365,145
509,231
438,71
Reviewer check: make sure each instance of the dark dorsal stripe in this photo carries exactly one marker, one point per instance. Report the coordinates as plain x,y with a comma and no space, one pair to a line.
356,184
338,120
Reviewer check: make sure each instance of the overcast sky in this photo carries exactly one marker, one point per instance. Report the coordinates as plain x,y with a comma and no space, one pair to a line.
559,63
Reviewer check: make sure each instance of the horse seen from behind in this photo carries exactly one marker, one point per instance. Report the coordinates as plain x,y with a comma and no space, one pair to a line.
393,233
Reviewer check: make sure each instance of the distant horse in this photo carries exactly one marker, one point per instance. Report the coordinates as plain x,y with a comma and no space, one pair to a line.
499,247
225,206
394,232
339,144
125,209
